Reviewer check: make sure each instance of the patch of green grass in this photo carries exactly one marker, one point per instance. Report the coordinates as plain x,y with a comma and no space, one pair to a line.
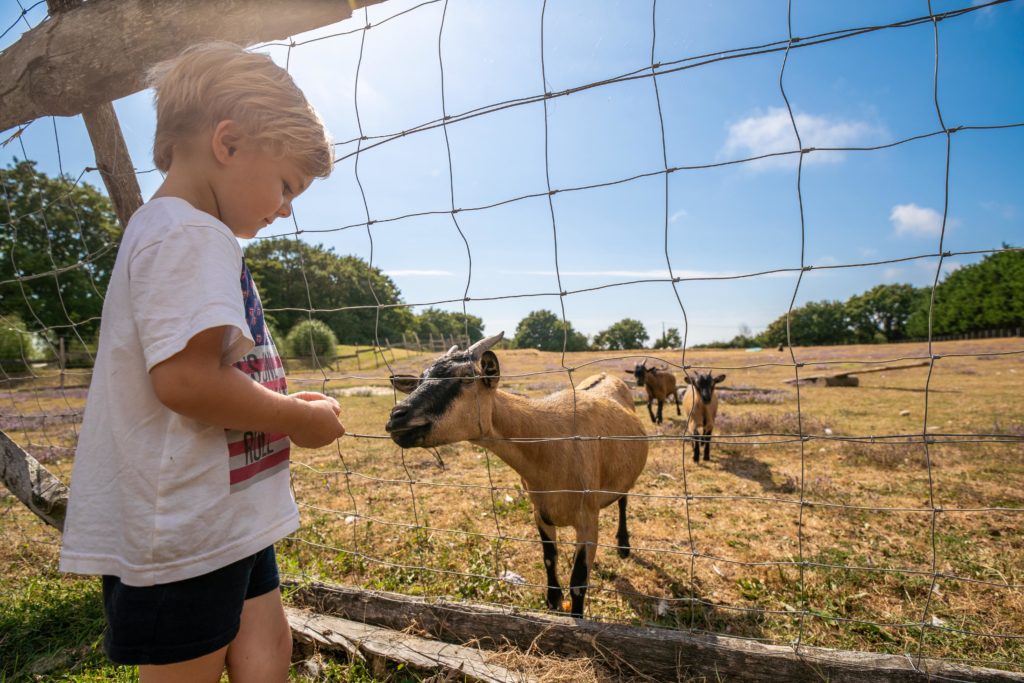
51,629
52,626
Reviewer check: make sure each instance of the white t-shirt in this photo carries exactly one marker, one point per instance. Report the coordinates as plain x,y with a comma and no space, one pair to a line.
155,496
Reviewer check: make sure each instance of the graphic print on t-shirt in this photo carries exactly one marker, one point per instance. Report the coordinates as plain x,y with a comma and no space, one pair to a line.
255,456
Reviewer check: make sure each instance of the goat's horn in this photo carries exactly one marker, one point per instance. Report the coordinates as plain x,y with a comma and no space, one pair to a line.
485,344
451,350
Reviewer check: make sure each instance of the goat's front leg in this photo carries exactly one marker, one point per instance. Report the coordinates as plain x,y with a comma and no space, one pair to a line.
707,443
694,432
649,410
622,535
548,537
586,548
661,405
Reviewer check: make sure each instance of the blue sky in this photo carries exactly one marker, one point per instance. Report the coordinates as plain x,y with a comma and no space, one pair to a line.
859,206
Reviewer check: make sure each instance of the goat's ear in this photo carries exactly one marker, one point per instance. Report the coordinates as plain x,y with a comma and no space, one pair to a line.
490,369
720,378
687,379
405,383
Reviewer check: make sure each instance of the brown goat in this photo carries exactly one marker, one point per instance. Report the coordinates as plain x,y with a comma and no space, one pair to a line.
701,405
568,480
659,384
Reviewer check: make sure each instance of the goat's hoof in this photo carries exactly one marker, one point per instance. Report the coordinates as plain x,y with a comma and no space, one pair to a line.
623,551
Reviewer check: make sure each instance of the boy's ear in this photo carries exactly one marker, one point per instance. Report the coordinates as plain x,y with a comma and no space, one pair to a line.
225,140
490,369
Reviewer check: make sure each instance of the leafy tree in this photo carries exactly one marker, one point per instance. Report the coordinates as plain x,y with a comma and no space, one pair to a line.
291,274
817,322
312,338
671,339
881,313
61,239
16,348
983,296
546,331
625,334
434,321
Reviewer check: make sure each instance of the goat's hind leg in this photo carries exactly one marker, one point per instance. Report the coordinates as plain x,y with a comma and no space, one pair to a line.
586,549
622,535
548,537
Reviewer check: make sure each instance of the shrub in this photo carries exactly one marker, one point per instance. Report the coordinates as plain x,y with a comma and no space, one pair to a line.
312,338
16,349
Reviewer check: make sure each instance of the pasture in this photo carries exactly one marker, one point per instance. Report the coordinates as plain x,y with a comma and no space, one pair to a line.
822,516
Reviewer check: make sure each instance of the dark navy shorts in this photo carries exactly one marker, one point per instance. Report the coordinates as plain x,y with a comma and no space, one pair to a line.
182,620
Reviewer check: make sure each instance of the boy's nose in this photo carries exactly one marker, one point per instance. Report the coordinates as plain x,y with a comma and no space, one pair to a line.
285,210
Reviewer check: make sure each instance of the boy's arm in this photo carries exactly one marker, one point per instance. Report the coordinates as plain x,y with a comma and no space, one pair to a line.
194,383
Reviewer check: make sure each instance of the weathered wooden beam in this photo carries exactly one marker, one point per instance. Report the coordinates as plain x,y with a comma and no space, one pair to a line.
661,654
837,379
111,153
113,161
100,51
32,484
380,646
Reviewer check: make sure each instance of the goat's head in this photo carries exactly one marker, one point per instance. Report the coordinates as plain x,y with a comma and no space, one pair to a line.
704,383
450,401
639,372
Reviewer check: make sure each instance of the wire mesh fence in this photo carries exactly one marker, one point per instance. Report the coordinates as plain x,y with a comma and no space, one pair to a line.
888,520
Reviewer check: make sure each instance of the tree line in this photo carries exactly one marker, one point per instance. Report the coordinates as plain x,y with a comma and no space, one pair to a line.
60,239
988,295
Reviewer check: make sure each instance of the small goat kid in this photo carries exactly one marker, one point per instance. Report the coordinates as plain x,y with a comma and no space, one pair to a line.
701,405
659,384
568,480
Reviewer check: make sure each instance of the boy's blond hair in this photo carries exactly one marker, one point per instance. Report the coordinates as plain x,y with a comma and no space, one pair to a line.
218,81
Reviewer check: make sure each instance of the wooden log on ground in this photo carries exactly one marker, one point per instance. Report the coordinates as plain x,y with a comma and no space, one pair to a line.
99,52
379,646
847,378
661,654
32,484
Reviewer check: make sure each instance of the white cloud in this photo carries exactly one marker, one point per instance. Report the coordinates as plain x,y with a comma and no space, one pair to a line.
773,133
418,273
1004,210
681,213
919,221
641,274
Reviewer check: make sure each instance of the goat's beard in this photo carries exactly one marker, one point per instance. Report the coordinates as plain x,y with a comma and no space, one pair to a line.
414,437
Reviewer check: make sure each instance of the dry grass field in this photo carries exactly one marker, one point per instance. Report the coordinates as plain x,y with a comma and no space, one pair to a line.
822,517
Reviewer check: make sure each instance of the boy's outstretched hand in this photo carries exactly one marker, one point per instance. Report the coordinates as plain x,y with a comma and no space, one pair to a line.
194,383
321,426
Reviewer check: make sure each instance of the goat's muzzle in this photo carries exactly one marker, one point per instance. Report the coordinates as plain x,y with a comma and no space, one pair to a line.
406,428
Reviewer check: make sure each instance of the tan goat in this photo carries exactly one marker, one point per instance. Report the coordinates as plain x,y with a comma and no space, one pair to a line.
659,384
568,480
701,405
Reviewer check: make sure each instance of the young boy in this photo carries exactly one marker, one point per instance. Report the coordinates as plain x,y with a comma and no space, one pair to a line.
181,484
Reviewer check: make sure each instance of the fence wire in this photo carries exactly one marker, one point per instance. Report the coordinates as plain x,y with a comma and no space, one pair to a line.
351,539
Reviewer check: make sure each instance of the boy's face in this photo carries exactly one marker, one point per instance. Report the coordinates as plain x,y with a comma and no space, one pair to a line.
256,188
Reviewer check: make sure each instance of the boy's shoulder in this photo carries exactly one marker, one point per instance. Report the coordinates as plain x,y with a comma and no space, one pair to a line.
162,217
